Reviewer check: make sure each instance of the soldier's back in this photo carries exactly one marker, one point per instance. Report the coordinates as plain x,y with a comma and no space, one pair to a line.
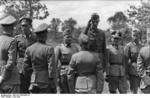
39,53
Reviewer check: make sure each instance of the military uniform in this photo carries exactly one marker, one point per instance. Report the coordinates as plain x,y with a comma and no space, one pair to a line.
85,74
64,54
100,44
9,74
131,53
40,57
143,65
97,37
24,41
115,70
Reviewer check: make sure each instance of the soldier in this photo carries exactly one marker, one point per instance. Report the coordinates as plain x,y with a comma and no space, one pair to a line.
96,36
24,40
143,66
85,70
9,74
131,53
115,70
40,57
63,55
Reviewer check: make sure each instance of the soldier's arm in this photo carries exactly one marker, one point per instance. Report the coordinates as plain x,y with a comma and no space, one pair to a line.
57,61
126,58
71,75
27,68
104,54
51,63
11,62
140,64
108,61
100,77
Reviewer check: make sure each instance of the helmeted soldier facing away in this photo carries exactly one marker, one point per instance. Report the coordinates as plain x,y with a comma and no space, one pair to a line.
85,70
24,40
115,70
63,54
9,74
131,53
40,57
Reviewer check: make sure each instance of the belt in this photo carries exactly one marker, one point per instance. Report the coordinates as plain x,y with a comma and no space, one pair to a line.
64,63
86,74
116,64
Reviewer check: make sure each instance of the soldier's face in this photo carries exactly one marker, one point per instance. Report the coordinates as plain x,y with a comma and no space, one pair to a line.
135,37
26,28
116,41
68,39
95,22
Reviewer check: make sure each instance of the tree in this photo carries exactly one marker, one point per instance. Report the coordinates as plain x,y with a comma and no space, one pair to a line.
120,22
140,17
70,23
55,23
19,8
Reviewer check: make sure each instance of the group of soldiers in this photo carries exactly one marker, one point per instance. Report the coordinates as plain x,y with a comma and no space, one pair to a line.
29,65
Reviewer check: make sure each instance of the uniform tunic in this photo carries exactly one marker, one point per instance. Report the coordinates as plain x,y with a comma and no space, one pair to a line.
85,69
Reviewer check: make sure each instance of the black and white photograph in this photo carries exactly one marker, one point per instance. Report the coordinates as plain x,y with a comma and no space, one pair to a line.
74,47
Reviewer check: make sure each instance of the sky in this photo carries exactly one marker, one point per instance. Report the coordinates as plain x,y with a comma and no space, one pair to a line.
81,10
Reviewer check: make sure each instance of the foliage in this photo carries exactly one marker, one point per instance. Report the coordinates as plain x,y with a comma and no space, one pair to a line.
120,22
140,17
19,8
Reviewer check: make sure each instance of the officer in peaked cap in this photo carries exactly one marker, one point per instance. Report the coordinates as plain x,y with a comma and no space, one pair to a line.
25,38
115,69
9,73
63,53
86,70
43,63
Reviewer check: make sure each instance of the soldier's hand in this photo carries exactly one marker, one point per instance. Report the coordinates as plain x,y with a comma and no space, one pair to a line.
1,80
58,90
89,22
107,78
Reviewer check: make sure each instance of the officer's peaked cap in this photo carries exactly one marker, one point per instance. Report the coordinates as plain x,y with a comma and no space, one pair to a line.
7,20
41,28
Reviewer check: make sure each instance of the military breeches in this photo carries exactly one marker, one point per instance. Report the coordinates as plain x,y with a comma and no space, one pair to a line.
63,83
40,89
82,91
25,83
146,90
118,82
10,89
134,83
